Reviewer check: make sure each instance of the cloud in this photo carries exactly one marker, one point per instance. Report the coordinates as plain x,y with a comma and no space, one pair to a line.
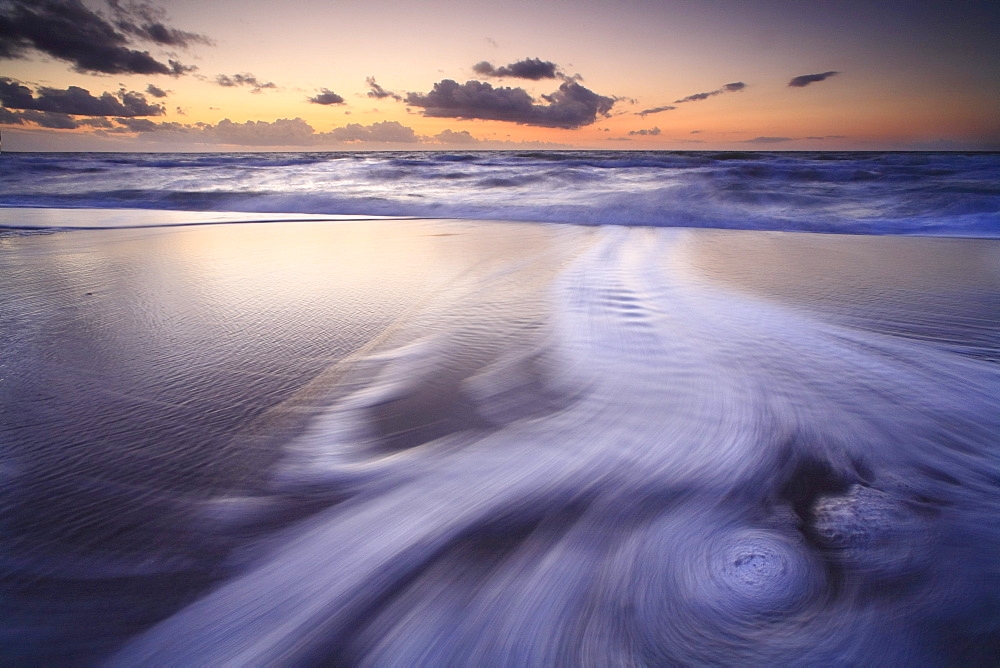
572,106
380,93
326,96
386,131
70,31
282,132
452,137
728,88
617,139
244,79
529,68
829,137
77,101
806,79
99,122
155,91
138,124
767,140
654,110
45,119
652,132
145,21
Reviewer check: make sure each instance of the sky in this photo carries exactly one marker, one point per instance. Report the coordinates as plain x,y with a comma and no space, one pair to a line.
224,75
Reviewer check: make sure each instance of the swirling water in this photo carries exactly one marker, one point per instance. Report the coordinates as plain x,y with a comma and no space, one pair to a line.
429,442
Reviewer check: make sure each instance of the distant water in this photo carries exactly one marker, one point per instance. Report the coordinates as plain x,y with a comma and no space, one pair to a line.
955,194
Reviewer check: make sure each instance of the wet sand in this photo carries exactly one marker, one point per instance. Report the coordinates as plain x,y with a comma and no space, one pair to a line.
404,441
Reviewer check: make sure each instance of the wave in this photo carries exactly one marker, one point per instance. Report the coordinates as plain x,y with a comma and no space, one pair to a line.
851,193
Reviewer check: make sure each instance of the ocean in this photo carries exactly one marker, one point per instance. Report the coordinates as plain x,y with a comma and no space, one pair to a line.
500,408
952,194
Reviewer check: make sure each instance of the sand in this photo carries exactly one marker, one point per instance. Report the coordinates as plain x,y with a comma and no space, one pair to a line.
398,441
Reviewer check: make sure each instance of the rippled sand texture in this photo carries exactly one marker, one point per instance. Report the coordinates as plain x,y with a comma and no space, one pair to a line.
439,443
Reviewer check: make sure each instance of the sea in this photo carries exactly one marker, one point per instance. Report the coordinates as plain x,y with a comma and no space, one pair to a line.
952,194
552,408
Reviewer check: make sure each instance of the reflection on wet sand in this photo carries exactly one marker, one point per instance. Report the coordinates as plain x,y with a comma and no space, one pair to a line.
435,442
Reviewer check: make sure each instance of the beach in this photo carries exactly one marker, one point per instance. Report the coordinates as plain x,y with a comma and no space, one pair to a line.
441,441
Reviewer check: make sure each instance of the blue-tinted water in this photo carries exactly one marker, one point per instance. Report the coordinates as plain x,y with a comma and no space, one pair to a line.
855,193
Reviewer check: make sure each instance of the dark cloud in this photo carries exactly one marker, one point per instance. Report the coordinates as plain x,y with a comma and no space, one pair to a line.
386,131
326,96
145,21
806,79
694,132
380,93
244,79
45,119
76,100
452,137
650,132
529,68
156,91
654,110
572,106
767,140
70,31
728,88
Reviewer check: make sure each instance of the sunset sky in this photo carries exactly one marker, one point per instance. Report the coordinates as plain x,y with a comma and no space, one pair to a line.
387,74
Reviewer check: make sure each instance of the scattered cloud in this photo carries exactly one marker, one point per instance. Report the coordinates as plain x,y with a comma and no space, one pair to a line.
493,42
76,101
572,106
386,131
376,91
728,88
70,31
654,110
767,140
806,79
156,91
651,132
244,79
326,96
452,137
529,68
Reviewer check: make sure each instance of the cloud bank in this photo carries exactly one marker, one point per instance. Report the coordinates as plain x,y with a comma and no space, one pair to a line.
570,107
70,31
